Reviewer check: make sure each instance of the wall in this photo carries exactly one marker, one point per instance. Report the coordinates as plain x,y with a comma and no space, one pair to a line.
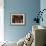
43,6
29,8
1,21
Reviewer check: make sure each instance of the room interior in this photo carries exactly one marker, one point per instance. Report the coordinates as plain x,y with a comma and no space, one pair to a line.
25,32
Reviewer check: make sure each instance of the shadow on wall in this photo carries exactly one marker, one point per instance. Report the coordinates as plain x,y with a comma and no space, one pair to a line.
39,16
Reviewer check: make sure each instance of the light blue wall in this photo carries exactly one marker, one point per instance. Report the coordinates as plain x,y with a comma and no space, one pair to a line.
29,8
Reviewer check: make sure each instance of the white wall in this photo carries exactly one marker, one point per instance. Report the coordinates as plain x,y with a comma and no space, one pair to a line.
1,21
43,6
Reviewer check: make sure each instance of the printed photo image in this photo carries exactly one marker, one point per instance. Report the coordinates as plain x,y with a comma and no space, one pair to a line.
17,19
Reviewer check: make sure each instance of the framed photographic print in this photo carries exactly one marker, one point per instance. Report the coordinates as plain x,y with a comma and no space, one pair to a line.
17,19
